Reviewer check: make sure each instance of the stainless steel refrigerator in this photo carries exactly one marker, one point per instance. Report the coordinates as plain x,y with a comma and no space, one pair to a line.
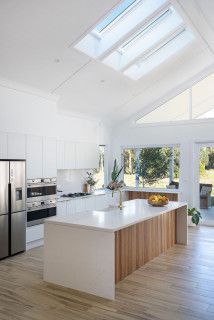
12,207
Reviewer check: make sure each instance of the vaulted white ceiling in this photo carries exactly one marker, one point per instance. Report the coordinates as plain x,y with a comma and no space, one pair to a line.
36,49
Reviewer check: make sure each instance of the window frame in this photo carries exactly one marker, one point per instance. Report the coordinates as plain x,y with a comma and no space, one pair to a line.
173,94
105,166
141,146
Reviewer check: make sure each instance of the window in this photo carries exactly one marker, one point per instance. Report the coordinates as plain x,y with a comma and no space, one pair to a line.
194,103
152,167
203,98
173,110
137,36
100,172
115,15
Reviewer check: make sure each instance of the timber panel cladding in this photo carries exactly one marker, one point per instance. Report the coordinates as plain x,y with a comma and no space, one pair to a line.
145,195
140,243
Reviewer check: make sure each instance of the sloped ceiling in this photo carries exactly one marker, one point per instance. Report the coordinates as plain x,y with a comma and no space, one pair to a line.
36,49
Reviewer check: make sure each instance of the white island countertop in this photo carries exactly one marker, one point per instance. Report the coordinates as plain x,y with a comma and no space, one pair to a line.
112,218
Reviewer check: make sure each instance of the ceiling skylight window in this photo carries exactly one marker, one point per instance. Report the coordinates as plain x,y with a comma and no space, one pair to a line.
115,15
148,37
133,36
165,51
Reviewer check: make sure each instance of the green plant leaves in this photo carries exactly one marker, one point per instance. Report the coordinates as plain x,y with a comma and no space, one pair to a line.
115,171
195,214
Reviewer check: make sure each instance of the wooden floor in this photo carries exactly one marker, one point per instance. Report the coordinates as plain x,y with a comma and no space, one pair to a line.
176,285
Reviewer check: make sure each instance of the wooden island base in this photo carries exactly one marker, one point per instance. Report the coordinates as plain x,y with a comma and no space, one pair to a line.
142,242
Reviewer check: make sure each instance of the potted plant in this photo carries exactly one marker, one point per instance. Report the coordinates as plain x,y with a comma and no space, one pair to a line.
116,171
90,180
194,216
116,185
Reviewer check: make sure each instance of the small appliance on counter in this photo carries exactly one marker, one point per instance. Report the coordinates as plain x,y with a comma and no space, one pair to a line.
41,200
12,207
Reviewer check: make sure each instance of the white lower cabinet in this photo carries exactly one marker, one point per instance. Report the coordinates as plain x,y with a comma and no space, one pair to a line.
61,209
90,203
34,236
80,205
101,202
71,207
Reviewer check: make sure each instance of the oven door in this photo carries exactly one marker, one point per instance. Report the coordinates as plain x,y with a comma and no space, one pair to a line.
36,192
37,216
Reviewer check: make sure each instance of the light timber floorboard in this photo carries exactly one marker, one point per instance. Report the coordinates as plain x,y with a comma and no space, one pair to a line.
178,284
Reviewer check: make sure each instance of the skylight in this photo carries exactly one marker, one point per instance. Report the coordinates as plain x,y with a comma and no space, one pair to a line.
133,36
115,15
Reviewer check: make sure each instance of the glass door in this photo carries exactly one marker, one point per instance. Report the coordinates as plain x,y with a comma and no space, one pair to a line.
206,182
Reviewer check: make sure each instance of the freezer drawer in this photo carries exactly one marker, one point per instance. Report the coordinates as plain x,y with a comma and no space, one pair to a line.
18,232
4,242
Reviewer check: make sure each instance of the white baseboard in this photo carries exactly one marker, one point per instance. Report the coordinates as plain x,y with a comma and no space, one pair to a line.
34,244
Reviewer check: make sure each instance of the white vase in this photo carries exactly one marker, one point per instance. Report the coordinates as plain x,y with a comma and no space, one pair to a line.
190,223
91,189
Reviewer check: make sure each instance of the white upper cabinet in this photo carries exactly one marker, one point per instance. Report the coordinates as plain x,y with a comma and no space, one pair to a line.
60,154
77,155
49,157
16,146
3,145
87,155
70,155
34,157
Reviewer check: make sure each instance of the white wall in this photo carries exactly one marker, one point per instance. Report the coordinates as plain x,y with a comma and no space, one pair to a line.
184,134
28,113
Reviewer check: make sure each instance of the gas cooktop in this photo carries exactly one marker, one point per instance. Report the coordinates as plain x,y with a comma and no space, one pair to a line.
76,194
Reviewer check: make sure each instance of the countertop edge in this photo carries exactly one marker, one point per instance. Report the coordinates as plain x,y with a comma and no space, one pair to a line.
82,226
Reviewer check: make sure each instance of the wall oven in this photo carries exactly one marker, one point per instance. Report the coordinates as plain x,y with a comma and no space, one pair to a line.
41,200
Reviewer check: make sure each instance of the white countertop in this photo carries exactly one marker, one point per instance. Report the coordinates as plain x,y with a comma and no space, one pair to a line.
113,219
94,194
106,191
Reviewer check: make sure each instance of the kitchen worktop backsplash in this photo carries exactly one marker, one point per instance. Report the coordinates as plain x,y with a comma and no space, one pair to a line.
69,181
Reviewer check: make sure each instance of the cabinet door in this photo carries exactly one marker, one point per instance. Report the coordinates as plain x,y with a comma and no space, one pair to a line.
34,156
3,145
70,155
61,208
16,146
71,207
87,156
60,154
49,157
80,205
101,202
35,233
90,204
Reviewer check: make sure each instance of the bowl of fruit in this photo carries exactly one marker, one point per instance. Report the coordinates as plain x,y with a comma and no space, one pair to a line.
158,200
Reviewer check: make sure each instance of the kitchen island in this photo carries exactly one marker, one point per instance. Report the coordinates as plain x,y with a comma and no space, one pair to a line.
93,250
